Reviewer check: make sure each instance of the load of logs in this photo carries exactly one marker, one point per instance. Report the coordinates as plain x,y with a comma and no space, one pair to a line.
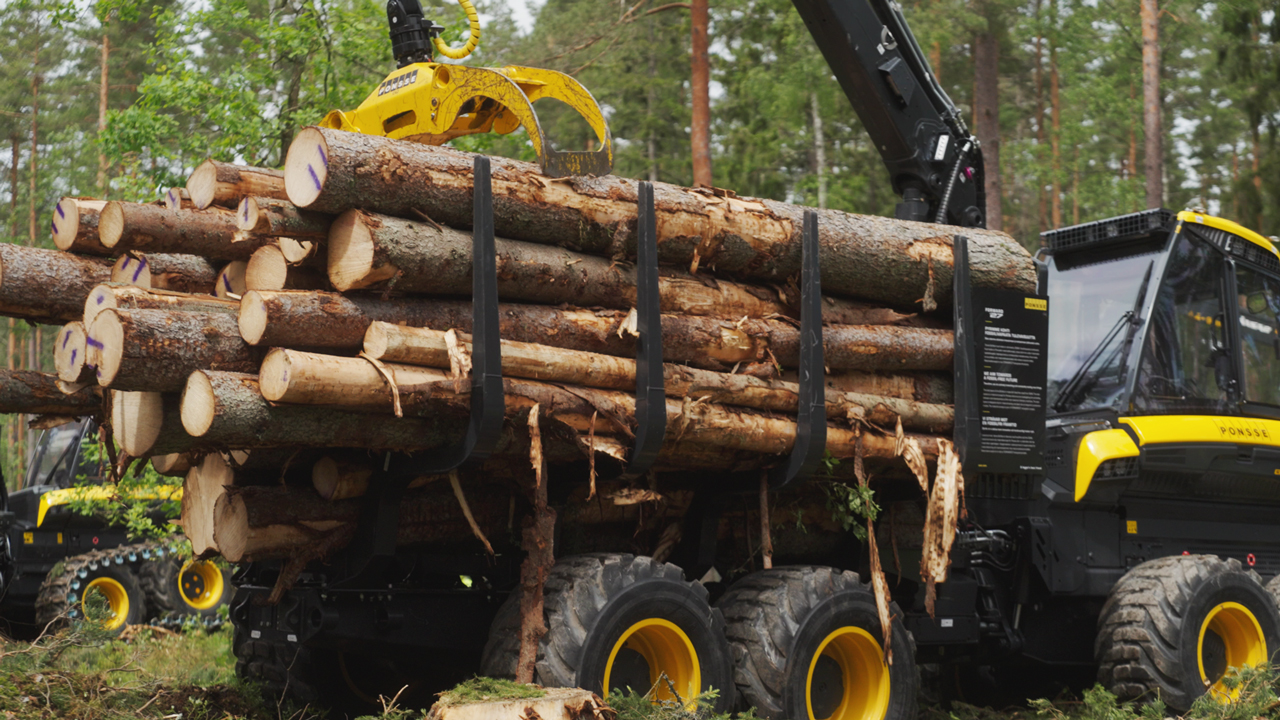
268,333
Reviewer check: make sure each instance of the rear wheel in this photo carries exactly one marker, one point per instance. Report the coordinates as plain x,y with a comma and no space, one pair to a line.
1174,626
93,574
176,588
616,622
807,643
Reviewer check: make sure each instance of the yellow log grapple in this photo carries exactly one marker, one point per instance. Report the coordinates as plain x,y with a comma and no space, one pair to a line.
430,102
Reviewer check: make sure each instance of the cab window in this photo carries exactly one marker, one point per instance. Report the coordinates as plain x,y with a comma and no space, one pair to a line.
1185,365
1258,297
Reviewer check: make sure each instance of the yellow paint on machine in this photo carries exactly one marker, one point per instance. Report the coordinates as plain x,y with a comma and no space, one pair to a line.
65,496
1161,429
1196,218
1096,448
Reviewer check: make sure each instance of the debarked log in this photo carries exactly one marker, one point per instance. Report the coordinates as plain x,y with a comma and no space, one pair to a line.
882,259
47,286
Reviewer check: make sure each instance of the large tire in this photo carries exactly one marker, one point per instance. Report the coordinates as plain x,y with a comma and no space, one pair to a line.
625,617
797,630
1168,618
179,589
62,594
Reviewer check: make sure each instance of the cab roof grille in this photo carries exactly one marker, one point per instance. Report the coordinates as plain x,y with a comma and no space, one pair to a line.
1235,245
1135,226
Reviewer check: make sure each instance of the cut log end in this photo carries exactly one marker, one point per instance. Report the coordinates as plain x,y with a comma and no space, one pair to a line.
273,378
295,251
306,167
202,185
199,404
247,214
253,317
136,420
132,270
65,223
176,198
111,224
100,298
172,464
377,339
351,253
108,334
69,353
231,280
268,269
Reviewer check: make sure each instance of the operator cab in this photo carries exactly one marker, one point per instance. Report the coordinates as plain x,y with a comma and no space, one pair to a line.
1164,377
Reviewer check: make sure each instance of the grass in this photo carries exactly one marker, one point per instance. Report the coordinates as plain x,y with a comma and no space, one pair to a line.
155,674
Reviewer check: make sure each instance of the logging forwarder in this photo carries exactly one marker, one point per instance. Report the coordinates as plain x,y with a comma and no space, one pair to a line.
1119,434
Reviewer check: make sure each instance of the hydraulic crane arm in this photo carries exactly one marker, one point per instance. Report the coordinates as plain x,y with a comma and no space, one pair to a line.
934,162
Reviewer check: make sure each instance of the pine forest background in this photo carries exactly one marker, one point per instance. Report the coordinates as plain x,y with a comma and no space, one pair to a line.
122,98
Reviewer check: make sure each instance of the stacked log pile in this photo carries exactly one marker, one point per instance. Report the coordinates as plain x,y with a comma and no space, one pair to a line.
270,332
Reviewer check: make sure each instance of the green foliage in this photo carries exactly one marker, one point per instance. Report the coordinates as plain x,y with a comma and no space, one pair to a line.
143,501
631,705
480,689
851,506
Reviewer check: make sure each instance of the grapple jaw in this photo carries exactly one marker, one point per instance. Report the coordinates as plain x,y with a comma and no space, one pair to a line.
433,103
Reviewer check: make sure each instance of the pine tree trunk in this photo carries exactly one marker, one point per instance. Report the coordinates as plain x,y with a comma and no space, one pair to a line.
1154,149
880,259
46,285
102,114
701,90
986,112
1055,104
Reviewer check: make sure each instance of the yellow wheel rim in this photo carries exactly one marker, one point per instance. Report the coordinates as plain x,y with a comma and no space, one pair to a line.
117,600
1230,637
200,584
667,651
848,679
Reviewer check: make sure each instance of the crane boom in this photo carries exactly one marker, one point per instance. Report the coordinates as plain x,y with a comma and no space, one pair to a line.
934,162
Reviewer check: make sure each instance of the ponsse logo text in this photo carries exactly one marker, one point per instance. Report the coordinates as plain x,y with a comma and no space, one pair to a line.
1243,432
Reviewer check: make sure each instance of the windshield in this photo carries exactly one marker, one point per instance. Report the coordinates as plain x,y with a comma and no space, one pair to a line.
1089,332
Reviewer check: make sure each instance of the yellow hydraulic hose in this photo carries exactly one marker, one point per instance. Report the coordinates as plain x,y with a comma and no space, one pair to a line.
472,42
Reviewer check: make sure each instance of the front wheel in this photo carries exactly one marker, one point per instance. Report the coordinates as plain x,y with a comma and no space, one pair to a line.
176,588
618,622
807,643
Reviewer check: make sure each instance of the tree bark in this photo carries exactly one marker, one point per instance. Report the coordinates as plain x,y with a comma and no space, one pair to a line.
103,183
819,151
1055,110
367,250
879,259
69,355
330,320
224,184
421,346
36,393
156,350
111,296
352,383
269,269
281,218
46,285
1154,149
164,271
154,228
986,115
148,423
75,225
700,80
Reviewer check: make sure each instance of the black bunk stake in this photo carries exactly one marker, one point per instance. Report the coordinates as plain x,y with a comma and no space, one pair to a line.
968,422
651,391
811,418
380,513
